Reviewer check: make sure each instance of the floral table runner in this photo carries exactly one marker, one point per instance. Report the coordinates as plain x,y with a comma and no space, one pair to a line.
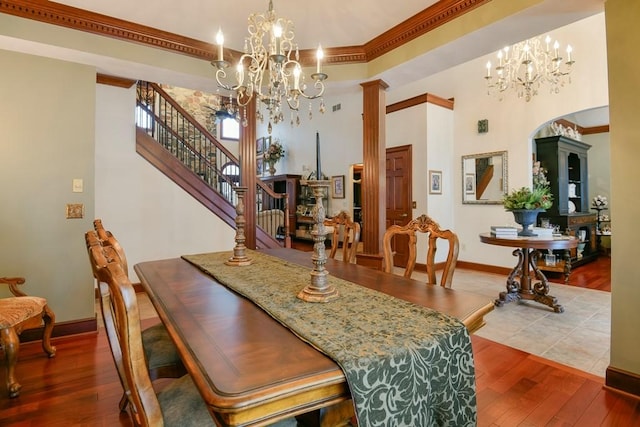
405,365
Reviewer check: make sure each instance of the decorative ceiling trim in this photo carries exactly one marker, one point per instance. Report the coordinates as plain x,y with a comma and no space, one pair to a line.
584,131
420,99
79,19
114,81
595,129
103,25
421,23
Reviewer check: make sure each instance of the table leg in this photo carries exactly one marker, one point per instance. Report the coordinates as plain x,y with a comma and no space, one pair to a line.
513,285
567,266
523,290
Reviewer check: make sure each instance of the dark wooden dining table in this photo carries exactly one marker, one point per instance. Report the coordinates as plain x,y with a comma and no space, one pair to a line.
250,369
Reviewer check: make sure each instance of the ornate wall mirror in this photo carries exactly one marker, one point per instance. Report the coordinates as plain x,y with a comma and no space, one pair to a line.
484,178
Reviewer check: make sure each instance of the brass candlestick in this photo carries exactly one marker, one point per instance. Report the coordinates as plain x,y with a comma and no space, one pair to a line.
319,290
239,257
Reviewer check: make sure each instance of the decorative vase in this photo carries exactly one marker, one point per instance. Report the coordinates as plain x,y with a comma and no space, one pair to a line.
526,218
272,169
580,249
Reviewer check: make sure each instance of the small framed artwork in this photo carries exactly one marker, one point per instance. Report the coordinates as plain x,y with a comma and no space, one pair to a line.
267,143
337,187
259,166
469,183
435,182
259,146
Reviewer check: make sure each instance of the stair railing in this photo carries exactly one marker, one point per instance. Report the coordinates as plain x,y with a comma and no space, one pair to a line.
184,137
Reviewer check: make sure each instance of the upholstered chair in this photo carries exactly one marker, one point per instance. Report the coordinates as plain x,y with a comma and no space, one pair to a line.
18,313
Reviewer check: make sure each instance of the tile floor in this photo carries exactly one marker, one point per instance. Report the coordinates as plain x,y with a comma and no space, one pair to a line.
579,337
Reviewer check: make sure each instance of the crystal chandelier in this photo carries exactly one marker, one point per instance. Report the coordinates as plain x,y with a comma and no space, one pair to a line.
269,69
527,65
226,109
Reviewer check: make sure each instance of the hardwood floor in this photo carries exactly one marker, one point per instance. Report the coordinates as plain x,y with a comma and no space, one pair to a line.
80,387
593,275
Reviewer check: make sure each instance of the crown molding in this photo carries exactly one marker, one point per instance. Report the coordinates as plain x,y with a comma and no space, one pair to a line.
114,81
420,99
583,130
79,19
418,25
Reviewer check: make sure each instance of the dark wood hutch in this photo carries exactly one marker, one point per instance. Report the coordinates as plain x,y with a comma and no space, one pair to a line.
565,160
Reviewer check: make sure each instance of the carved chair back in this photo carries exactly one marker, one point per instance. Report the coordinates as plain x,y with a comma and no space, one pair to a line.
123,306
426,225
350,231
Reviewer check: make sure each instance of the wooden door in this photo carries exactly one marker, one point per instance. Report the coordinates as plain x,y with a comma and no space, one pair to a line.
398,206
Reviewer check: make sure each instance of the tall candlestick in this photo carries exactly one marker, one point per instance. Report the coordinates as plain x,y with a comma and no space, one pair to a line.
220,42
319,56
318,172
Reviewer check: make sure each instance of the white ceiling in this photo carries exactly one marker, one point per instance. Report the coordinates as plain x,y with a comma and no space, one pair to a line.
335,23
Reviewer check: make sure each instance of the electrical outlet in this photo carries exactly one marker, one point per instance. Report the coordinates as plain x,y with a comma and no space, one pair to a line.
75,210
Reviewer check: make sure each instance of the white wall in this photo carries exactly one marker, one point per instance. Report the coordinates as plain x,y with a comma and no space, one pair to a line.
600,167
340,142
150,215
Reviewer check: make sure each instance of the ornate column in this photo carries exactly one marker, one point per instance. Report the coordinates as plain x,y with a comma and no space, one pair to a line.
374,172
248,173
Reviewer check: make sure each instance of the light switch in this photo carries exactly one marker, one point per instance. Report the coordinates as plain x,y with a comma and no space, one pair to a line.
77,185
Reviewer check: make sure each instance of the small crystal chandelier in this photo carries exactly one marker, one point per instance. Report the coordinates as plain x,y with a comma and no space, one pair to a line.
527,65
269,69
226,109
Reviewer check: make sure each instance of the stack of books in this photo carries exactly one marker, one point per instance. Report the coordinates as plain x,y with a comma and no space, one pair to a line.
543,232
504,231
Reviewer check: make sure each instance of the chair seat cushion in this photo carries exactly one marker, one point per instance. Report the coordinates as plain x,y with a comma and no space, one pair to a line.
15,310
182,405
159,350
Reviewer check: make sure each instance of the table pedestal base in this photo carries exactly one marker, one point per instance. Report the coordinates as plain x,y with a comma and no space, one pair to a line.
520,280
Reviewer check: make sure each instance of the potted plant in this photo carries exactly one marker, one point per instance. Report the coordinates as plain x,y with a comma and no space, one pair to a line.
525,203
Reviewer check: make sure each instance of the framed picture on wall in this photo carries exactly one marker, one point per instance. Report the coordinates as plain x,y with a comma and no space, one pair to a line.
260,146
435,182
469,183
259,166
337,187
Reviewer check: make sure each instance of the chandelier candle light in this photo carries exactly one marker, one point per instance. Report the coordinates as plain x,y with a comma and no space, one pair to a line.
269,69
527,65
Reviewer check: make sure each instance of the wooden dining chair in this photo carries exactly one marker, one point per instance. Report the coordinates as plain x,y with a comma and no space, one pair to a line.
342,225
163,360
18,313
426,225
179,402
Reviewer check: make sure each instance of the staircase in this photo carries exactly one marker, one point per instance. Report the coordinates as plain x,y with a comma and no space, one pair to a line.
176,144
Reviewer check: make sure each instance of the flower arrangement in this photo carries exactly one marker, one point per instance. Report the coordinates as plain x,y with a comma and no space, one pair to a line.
539,176
525,198
600,201
274,152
